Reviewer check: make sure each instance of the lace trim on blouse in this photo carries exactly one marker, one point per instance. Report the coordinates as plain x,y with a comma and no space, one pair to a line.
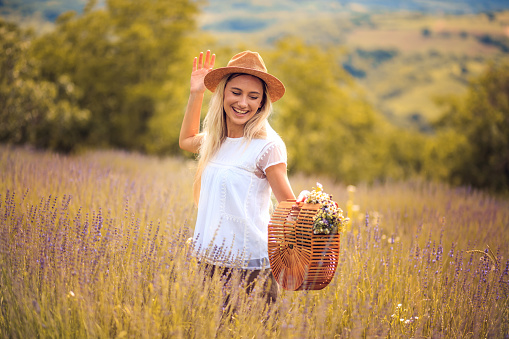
273,154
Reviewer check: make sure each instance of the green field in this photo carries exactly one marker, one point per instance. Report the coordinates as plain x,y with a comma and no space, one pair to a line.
94,245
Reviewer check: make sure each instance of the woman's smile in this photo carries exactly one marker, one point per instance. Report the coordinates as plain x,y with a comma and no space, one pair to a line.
239,111
243,96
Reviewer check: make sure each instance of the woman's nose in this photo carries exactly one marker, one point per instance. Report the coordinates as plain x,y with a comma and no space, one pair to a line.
243,101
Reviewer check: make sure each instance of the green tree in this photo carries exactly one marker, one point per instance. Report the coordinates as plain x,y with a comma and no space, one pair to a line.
477,126
324,118
34,111
121,57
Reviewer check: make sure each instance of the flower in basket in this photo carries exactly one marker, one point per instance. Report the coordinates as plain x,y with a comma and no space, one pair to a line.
329,218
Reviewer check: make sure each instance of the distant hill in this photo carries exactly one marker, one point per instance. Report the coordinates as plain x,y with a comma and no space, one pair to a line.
50,9
326,6
404,59
47,9
404,53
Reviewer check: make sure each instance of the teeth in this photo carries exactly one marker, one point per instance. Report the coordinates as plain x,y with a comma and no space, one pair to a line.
240,112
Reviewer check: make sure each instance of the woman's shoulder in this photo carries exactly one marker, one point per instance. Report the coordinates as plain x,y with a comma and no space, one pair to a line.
272,142
270,139
272,135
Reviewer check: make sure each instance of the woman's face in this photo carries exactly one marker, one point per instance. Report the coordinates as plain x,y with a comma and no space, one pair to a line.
242,97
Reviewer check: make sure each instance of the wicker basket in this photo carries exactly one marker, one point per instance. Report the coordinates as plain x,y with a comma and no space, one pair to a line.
299,259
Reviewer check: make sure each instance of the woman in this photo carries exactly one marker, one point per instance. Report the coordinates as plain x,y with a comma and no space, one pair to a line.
240,161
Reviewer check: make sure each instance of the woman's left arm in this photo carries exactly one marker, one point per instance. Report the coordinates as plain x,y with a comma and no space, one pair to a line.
278,180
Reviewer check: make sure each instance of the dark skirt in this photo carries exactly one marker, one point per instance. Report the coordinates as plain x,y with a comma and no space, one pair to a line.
250,279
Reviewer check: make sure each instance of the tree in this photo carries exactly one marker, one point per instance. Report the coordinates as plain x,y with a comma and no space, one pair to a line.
34,111
121,58
479,126
325,120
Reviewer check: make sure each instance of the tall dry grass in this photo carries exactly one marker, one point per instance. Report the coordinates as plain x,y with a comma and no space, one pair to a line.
95,246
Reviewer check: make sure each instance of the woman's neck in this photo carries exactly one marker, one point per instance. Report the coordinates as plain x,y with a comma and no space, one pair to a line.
235,132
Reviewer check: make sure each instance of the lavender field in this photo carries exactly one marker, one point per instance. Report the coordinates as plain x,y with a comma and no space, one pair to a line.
95,246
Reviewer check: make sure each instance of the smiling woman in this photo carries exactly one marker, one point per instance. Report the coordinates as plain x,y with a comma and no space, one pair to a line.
243,98
241,161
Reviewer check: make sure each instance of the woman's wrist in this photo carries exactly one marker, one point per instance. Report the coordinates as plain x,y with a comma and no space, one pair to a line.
197,92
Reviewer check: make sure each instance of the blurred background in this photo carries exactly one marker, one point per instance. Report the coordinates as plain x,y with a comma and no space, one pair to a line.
376,90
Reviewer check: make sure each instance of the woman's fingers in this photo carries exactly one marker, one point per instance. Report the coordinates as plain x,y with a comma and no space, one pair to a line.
195,61
212,61
201,62
303,196
207,60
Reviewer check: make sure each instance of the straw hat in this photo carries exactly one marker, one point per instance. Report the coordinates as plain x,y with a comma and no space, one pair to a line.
247,62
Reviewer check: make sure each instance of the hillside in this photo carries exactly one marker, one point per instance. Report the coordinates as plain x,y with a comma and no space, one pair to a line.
225,12
404,53
404,60
408,60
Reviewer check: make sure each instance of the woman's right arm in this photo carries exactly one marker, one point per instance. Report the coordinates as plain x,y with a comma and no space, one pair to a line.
190,137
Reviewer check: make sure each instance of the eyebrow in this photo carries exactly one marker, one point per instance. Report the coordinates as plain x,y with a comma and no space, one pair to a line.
252,92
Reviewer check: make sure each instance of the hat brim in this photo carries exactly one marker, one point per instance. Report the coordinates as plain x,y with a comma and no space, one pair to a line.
275,87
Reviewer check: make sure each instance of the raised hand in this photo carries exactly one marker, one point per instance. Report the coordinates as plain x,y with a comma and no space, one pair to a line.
190,138
201,66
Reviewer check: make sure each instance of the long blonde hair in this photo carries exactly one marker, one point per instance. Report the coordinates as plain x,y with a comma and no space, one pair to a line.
215,131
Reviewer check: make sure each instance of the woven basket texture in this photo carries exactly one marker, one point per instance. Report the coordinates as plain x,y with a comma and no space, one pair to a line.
299,259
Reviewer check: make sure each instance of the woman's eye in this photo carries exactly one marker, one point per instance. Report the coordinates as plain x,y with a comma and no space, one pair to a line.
236,93
254,98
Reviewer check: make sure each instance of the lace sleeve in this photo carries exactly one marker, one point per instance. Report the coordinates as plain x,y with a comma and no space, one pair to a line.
273,154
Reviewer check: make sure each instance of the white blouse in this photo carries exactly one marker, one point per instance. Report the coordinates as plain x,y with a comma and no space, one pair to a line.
234,206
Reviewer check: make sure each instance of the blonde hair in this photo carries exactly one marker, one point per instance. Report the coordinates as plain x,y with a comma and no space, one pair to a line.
215,130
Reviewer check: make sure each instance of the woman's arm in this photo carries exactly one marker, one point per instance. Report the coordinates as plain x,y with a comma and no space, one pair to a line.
278,180
190,137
